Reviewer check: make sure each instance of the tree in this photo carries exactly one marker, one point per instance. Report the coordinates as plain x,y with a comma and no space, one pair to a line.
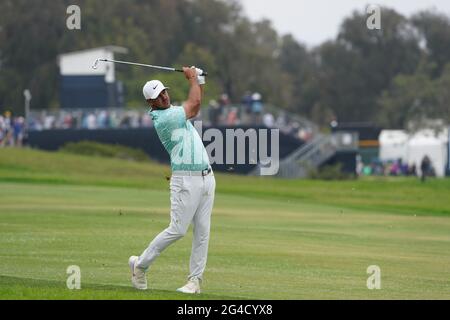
350,77
361,63
28,57
299,66
434,28
416,101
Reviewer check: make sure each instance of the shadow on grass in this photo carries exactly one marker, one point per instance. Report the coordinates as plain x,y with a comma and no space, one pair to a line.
15,288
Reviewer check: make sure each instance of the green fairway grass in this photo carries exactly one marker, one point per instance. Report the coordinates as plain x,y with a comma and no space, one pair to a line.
270,238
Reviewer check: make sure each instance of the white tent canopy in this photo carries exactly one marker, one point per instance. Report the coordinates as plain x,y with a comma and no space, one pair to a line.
393,145
397,144
427,143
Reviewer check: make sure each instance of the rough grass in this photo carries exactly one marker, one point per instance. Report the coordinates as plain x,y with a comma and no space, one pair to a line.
105,150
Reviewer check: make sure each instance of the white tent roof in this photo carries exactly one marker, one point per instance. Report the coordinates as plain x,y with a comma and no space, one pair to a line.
393,145
393,137
411,148
428,143
428,138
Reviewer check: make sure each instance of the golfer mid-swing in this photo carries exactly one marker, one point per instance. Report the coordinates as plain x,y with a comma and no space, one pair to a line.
192,184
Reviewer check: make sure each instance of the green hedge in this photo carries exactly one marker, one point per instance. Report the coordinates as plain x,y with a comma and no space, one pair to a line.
330,172
90,148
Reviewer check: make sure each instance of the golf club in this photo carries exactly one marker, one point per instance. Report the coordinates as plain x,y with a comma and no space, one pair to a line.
95,65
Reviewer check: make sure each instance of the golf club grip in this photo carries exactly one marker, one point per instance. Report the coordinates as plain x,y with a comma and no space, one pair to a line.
203,74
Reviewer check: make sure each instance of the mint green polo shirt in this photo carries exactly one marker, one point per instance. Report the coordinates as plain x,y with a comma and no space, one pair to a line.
180,139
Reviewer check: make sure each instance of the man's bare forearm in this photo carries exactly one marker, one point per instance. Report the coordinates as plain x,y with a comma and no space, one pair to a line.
194,100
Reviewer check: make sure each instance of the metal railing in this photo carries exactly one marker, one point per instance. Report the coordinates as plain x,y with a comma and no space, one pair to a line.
314,153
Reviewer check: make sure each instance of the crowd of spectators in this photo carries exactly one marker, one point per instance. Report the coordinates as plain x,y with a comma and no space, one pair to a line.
12,130
251,111
248,112
396,168
221,112
89,119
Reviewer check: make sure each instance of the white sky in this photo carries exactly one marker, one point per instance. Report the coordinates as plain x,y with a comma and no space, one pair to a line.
315,21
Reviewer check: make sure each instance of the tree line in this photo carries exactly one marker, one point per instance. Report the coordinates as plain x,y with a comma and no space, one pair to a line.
389,76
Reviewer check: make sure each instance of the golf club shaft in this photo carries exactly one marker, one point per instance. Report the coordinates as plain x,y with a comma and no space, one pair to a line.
146,65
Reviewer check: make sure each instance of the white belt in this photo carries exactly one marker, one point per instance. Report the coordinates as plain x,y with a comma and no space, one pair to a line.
193,173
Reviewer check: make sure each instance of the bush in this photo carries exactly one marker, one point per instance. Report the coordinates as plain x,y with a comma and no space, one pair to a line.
330,172
90,148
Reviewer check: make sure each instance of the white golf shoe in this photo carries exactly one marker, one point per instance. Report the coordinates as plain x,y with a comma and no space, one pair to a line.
192,287
138,278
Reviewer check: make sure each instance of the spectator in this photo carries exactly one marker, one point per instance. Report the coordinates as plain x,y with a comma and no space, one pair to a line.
102,119
214,112
247,107
232,117
125,122
257,108
67,122
412,171
35,124
305,134
378,168
91,122
134,119
394,169
19,131
425,167
224,100
114,120
2,130
224,103
269,120
49,122
403,167
367,170
7,130
359,165
281,121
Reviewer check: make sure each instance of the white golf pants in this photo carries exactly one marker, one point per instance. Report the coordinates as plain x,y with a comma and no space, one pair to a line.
191,199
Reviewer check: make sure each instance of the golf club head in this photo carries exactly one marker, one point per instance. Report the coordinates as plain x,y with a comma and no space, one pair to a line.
95,65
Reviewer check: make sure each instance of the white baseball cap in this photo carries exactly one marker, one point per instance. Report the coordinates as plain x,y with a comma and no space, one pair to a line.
152,89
